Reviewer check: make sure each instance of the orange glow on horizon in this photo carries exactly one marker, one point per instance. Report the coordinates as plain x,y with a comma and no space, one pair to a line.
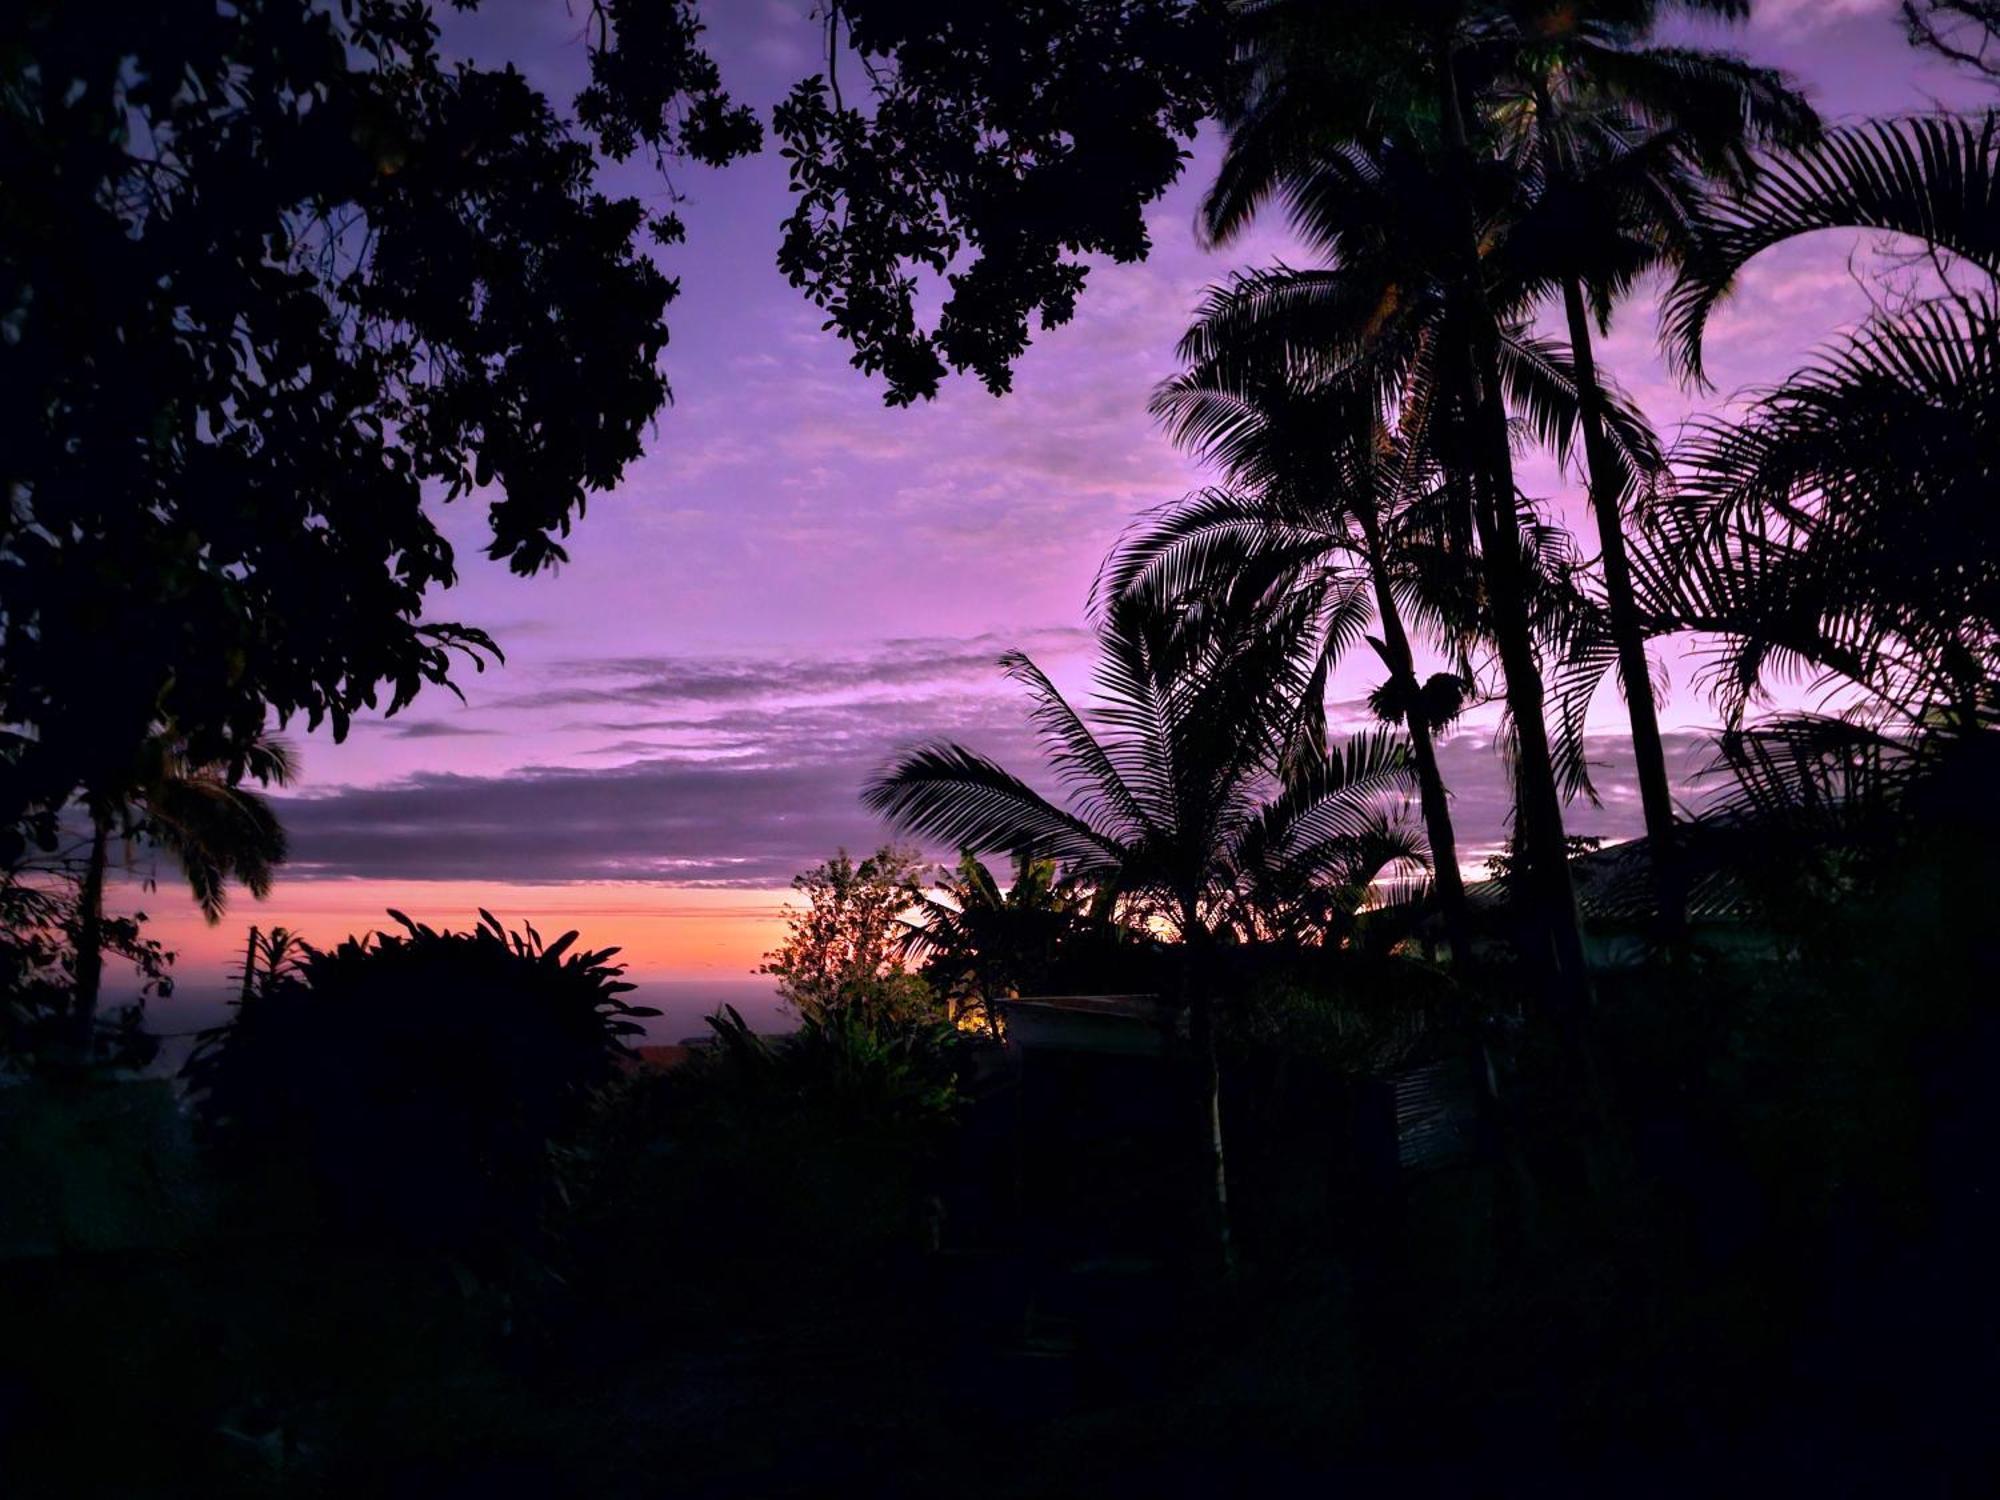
663,932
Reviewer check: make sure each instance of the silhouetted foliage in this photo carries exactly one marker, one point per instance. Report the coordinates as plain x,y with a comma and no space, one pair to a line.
1042,935
418,1084
40,922
272,272
1031,136
1199,800
200,815
843,951
807,1155
1966,32
54,936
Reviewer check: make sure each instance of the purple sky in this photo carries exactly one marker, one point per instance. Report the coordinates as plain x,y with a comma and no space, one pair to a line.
795,579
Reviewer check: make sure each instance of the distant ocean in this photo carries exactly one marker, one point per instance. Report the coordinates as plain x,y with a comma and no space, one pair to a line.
684,1006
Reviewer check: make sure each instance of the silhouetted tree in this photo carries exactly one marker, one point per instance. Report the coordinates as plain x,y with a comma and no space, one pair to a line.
214,827
41,922
1843,528
1323,85
274,272
1326,487
1172,799
419,1084
993,144
1966,32
1619,141
842,951
1845,521
976,940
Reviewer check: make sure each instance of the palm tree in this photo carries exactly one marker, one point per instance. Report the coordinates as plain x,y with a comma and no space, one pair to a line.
1325,482
1846,521
1384,315
1621,142
1844,527
216,829
1933,179
1168,794
979,940
1846,524
1324,81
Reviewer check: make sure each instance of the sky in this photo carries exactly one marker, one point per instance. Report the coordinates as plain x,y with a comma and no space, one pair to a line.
796,580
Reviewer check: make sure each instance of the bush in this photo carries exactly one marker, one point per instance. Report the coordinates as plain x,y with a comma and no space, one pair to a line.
761,1156
1351,1015
419,1086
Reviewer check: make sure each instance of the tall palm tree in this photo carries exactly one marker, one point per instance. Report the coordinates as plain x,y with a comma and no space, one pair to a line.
1168,793
215,828
1322,81
1384,313
1323,482
1844,526
1621,141
1846,521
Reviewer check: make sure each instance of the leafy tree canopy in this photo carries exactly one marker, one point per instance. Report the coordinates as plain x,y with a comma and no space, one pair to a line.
842,951
273,271
1031,135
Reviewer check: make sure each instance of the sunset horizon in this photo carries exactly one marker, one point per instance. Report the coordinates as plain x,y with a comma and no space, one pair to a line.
1013,748
796,582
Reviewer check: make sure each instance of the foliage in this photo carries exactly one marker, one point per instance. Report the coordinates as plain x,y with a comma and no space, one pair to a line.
1032,136
201,814
1840,530
40,923
1167,797
1350,1015
274,272
1504,863
814,1150
843,951
1203,803
271,959
1880,450
1933,178
1042,935
1966,32
419,1084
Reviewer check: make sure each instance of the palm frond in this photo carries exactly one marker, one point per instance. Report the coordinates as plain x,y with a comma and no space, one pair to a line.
959,798
1935,179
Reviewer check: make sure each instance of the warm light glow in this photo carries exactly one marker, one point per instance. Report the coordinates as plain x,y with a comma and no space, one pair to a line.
664,932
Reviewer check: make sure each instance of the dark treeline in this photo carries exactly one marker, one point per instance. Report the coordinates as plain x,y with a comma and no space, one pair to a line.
1237,1139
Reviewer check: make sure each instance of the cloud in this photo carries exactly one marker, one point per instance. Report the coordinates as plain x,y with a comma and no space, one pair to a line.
901,663
1795,17
737,788
750,793
429,729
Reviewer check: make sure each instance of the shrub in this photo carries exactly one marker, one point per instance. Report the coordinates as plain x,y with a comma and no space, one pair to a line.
40,917
767,1155
1352,1015
843,950
420,1086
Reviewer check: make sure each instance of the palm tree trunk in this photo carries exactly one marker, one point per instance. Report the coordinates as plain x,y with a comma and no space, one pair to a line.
1538,804
90,930
1430,784
250,965
1627,634
1208,1087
